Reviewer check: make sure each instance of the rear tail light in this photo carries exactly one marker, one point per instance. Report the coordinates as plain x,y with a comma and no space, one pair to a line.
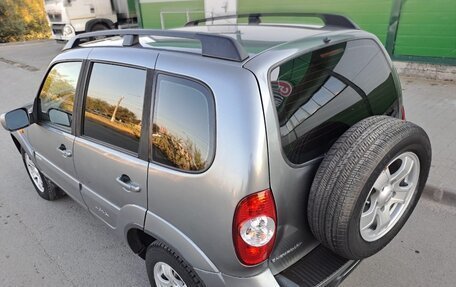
254,227
403,113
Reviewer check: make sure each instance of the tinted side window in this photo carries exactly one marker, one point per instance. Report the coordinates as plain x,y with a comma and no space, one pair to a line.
183,124
56,98
114,105
319,95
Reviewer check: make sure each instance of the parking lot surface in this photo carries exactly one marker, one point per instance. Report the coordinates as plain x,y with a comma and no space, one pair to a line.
60,244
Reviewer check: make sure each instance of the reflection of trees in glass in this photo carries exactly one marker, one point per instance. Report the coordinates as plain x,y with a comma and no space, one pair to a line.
102,112
101,107
182,153
57,92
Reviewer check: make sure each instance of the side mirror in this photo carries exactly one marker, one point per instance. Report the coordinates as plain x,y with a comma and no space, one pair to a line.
15,119
59,117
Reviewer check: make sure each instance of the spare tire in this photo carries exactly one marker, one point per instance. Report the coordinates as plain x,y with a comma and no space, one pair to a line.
368,185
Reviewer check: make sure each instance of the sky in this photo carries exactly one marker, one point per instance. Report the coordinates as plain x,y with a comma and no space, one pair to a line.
183,110
110,83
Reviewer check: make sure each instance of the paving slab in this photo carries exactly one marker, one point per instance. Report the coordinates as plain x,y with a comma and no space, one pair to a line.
432,105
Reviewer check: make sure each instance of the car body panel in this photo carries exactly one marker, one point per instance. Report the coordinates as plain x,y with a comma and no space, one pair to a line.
75,54
98,167
193,212
291,183
24,143
124,55
240,167
165,231
46,141
106,198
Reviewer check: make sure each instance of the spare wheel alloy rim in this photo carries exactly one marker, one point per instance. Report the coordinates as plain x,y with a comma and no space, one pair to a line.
390,196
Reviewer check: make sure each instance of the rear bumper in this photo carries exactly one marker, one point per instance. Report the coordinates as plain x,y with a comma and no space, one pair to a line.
321,267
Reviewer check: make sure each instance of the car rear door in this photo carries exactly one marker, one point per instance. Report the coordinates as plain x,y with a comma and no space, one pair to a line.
52,137
315,98
112,141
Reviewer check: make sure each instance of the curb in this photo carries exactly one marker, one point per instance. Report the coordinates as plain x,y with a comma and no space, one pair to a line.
440,195
24,42
426,71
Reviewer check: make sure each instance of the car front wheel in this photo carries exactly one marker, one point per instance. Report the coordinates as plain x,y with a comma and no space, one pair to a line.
44,186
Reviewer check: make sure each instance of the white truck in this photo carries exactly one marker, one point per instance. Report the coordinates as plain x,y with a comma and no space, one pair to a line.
70,17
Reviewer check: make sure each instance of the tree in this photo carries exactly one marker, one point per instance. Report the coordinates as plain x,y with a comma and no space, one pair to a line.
10,25
22,20
181,153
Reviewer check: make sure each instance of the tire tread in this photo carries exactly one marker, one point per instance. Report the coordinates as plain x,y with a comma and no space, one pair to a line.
343,173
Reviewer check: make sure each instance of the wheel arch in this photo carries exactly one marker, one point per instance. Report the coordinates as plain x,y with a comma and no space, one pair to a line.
108,23
138,241
16,143
157,228
21,142
139,228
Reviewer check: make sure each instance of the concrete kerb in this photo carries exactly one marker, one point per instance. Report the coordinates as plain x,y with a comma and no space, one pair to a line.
25,42
438,194
426,71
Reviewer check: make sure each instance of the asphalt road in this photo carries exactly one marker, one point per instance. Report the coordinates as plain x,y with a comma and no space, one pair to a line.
60,244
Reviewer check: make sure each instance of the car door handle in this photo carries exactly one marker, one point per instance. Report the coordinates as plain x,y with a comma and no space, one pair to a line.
128,185
66,153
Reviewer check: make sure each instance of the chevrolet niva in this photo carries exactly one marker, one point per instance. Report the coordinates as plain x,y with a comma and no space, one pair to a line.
248,154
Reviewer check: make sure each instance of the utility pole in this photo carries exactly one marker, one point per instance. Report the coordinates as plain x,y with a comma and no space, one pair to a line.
113,118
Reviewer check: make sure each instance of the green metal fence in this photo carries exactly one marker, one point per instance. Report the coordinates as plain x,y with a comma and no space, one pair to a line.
169,14
426,31
416,30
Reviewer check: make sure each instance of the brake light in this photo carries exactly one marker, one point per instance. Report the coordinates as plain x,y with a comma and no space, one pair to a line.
403,113
254,227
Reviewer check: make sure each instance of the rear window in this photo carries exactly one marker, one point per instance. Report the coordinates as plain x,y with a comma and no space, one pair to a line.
319,95
183,124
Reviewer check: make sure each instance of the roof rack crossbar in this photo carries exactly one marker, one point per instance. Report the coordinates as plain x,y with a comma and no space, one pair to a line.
255,18
213,45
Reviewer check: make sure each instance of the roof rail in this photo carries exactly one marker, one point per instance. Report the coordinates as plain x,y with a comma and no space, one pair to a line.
255,18
213,45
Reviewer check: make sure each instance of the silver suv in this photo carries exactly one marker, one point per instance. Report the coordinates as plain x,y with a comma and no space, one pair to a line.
249,154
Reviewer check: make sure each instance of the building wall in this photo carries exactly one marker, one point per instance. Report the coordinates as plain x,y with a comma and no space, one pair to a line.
151,9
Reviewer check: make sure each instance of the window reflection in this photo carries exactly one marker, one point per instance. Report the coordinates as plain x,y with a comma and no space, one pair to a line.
319,95
304,85
114,104
182,124
57,94
330,89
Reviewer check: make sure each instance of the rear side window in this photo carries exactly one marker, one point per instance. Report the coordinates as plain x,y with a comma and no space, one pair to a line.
319,95
56,98
183,124
114,105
